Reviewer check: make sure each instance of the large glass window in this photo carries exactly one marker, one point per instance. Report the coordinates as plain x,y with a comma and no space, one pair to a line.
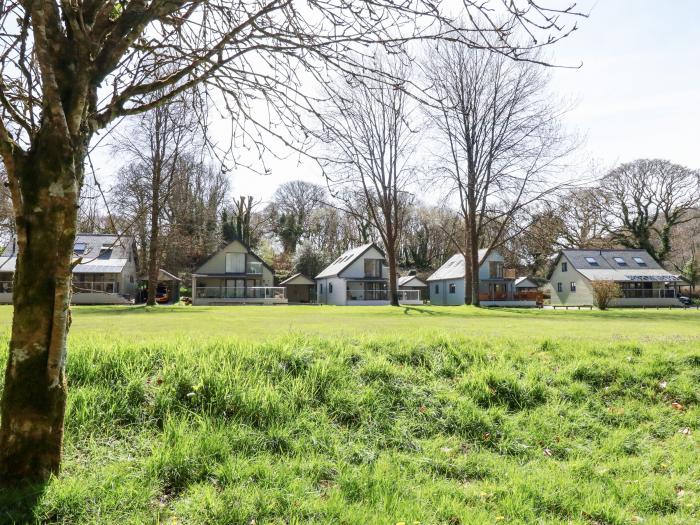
373,267
495,269
235,263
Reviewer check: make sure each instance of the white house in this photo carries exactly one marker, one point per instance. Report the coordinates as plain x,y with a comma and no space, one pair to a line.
446,285
643,281
235,275
106,274
358,277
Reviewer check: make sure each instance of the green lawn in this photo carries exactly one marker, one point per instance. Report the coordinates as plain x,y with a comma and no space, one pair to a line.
376,415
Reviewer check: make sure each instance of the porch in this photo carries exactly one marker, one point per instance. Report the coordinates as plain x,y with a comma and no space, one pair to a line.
503,293
377,293
221,291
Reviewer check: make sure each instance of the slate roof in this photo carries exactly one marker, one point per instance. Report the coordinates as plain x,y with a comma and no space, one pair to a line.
453,268
101,253
346,259
615,265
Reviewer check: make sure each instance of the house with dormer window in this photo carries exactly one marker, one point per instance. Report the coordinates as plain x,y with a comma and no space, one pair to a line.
235,275
105,271
643,281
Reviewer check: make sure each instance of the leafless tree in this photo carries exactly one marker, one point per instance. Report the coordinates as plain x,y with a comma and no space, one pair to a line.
290,211
585,221
427,238
501,140
71,69
155,145
648,199
370,151
191,214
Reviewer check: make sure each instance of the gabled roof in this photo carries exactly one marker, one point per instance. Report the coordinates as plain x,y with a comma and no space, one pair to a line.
614,265
454,267
298,278
406,281
346,259
248,249
525,282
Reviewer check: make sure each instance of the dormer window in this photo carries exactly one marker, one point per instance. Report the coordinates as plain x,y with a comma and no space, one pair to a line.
639,261
620,261
592,261
79,248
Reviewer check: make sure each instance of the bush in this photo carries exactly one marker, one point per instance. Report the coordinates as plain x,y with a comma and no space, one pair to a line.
604,292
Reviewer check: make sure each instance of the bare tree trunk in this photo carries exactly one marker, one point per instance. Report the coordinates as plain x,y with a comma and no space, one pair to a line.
153,247
393,278
467,264
473,233
46,188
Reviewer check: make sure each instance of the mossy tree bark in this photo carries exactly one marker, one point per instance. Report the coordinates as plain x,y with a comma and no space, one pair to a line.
45,182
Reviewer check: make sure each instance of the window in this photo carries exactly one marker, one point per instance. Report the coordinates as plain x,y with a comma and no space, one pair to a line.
564,267
320,288
495,269
131,278
453,288
592,261
373,267
560,288
235,263
620,261
640,261
437,288
572,286
79,248
330,287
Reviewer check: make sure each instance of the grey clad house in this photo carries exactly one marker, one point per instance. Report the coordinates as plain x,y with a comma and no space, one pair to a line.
235,275
446,285
106,274
643,281
358,277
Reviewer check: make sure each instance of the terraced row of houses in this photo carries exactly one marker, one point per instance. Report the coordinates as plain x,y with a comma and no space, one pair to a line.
106,272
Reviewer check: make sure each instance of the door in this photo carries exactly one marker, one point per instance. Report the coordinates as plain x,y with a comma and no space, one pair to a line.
235,288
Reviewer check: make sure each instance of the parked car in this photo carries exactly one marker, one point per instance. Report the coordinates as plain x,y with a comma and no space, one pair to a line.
685,300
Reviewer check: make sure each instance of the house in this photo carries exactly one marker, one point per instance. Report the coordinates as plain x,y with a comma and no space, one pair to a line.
106,274
530,287
300,289
359,276
643,281
235,275
411,287
446,285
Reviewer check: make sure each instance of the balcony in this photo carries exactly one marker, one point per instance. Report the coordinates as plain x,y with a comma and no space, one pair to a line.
95,287
367,295
254,268
648,293
241,294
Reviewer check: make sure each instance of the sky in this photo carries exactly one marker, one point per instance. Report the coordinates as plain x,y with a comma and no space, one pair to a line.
635,95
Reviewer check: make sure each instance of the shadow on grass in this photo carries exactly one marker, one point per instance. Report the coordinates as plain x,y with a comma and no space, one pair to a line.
17,505
139,309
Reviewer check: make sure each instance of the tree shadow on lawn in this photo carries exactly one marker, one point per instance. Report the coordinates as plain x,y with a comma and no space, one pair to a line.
17,504
140,309
410,309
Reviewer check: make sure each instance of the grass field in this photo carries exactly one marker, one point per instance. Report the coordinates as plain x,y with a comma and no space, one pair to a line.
452,416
